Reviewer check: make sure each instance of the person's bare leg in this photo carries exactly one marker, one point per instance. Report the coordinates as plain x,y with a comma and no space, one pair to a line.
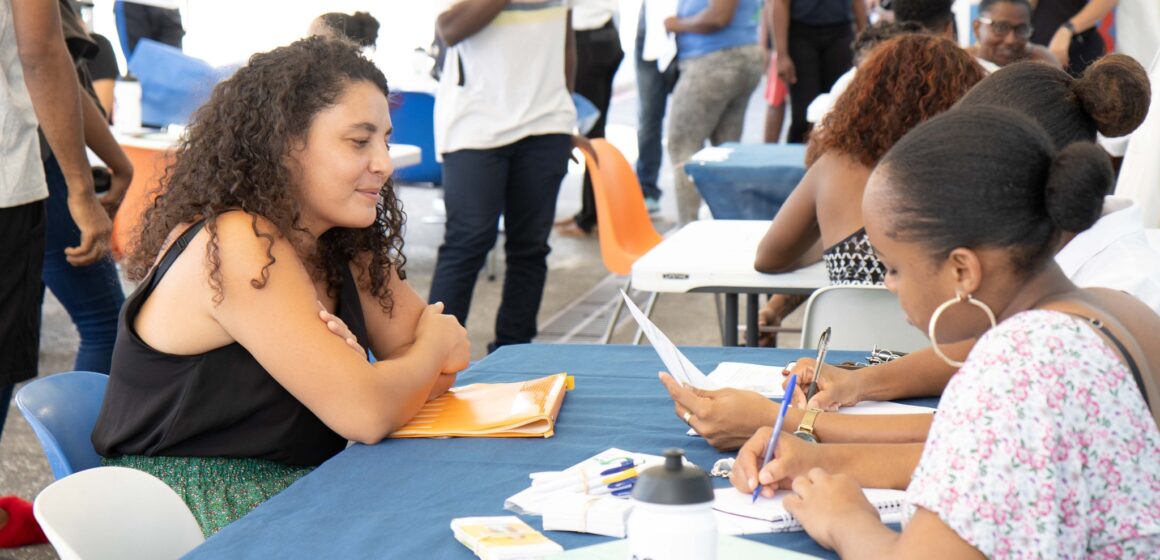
774,120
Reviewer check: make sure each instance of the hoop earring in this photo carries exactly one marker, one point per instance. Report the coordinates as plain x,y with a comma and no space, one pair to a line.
959,298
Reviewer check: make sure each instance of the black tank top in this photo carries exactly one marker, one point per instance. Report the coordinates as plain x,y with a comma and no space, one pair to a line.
218,404
852,261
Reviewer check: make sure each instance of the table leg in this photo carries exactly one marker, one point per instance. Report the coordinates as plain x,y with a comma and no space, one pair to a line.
730,319
751,328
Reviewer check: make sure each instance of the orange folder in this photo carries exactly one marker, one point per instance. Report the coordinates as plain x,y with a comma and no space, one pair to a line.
520,409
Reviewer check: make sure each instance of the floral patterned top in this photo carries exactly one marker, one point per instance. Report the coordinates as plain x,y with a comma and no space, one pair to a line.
1043,447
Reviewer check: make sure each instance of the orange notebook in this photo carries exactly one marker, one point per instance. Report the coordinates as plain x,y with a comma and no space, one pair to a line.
520,409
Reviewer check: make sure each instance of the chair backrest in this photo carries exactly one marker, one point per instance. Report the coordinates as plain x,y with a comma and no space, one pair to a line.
862,317
62,410
116,512
413,118
626,231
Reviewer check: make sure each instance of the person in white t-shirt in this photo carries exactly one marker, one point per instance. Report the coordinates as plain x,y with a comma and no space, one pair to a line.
35,61
503,119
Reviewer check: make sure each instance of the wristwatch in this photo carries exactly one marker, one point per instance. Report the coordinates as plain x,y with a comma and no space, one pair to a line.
805,430
1070,27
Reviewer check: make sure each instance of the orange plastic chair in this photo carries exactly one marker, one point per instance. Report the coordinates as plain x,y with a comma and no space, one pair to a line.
626,231
148,167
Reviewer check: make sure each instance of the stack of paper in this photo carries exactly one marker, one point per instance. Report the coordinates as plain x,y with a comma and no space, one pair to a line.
599,515
502,538
532,502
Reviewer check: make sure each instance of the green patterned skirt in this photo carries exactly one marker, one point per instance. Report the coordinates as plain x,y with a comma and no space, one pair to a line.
218,490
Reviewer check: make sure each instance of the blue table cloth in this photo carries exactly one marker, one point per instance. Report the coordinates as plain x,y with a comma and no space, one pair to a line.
396,499
752,182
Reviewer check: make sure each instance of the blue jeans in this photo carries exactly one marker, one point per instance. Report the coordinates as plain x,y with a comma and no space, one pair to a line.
5,399
652,89
519,181
92,294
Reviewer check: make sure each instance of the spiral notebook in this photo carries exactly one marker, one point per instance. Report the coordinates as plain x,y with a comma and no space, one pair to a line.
519,409
737,514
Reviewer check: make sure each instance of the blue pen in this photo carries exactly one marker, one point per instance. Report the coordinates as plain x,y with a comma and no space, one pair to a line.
776,432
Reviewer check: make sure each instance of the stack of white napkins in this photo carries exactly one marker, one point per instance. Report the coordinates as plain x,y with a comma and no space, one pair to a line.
602,514
599,515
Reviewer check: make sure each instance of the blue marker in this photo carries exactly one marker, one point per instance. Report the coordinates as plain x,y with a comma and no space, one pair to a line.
776,432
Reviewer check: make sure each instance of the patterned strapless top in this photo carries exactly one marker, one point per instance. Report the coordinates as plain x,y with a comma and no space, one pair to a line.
851,261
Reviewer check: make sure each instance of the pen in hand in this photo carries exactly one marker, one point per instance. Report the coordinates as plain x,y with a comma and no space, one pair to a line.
776,432
823,342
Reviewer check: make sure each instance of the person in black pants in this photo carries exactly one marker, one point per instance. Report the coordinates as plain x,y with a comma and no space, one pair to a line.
598,55
158,20
813,43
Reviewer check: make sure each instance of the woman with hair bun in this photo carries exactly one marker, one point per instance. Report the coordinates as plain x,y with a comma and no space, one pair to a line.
360,28
1043,445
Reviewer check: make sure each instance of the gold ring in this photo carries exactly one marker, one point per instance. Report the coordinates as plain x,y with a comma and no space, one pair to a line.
687,416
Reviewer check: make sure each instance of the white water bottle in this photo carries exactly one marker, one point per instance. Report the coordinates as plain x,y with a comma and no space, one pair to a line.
672,513
127,105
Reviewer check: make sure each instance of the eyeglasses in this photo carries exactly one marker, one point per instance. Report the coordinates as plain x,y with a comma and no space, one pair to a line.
1002,28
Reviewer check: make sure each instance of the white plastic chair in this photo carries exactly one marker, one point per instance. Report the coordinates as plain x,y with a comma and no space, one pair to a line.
115,513
862,317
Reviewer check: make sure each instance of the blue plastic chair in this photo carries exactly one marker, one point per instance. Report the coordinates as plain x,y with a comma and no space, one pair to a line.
62,410
413,117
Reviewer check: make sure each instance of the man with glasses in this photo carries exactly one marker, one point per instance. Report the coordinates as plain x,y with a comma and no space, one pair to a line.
1003,31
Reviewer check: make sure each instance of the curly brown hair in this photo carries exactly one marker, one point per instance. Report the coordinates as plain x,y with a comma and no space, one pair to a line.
234,157
902,82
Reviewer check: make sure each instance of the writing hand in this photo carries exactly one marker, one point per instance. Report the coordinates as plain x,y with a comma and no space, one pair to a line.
837,387
792,457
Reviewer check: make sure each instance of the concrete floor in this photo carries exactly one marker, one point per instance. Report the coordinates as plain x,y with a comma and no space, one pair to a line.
574,268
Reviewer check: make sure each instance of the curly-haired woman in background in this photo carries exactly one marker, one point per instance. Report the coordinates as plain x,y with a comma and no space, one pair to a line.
279,209
901,83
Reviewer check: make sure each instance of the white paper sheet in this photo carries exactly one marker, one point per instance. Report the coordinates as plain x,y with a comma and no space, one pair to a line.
677,364
659,45
765,380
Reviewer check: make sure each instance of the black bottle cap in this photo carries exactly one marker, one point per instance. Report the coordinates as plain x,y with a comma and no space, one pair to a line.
673,484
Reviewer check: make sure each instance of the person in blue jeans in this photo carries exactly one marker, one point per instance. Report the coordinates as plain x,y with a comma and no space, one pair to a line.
503,122
652,88
92,295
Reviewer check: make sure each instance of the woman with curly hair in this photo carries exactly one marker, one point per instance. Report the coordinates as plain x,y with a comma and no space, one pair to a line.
901,83
279,211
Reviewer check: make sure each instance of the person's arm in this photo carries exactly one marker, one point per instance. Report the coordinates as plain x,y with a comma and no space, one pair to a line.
727,418
1092,13
279,325
873,465
52,84
467,18
101,141
918,374
785,67
393,335
104,89
835,512
717,16
861,18
794,230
